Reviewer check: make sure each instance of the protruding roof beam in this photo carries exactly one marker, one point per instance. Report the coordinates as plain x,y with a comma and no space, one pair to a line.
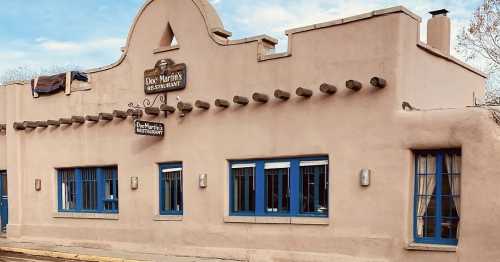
222,103
328,89
353,85
378,82
240,100
202,104
304,92
280,94
260,98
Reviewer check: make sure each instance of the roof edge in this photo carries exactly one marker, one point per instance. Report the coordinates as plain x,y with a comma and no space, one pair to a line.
438,53
375,13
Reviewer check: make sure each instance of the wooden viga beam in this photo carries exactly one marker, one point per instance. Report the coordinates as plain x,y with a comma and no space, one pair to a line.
167,109
378,82
152,111
106,116
3,127
78,120
18,126
184,107
260,98
328,89
54,123
222,103
202,104
120,114
42,124
30,124
353,85
92,118
65,121
135,113
282,95
241,100
304,92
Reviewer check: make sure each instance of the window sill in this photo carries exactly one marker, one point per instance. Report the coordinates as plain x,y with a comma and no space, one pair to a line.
430,247
74,215
277,220
168,218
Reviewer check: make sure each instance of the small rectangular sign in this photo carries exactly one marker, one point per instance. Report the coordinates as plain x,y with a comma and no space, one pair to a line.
146,128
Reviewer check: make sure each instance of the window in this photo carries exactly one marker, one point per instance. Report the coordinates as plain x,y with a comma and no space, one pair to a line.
314,187
171,189
90,189
279,187
437,196
243,188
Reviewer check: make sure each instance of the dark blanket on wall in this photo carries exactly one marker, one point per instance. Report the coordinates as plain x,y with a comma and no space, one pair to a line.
55,83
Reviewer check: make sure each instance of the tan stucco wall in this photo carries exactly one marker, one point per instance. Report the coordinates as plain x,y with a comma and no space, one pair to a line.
356,130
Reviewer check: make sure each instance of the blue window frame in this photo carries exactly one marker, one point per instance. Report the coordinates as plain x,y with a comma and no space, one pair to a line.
89,189
171,198
437,196
279,187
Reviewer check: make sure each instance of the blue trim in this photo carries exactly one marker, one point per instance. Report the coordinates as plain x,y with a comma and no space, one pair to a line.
59,192
260,188
436,239
162,190
79,188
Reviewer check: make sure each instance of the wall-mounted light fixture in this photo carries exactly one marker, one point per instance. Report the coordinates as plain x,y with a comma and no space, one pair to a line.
364,177
134,183
203,179
38,184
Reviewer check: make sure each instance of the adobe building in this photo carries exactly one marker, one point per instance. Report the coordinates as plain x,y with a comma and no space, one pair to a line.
359,143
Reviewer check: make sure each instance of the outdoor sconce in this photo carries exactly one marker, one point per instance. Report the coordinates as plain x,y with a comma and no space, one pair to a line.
38,184
364,177
203,181
134,183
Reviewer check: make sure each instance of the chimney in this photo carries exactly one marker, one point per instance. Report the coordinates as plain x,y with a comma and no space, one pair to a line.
438,31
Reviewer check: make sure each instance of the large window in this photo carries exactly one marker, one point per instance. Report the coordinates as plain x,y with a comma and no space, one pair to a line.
171,189
89,189
437,196
279,187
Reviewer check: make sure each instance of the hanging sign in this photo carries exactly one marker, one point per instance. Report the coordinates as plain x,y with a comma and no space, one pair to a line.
164,77
146,128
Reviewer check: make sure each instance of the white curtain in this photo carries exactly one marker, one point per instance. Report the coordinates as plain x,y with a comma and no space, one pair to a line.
426,186
453,166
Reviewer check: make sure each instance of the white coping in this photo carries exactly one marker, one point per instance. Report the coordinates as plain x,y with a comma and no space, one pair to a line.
314,163
243,165
75,215
430,247
277,220
168,218
272,165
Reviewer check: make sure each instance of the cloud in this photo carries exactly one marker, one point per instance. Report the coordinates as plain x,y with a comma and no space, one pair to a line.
79,47
276,16
214,2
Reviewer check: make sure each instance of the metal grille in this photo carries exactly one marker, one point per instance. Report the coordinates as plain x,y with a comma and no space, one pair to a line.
89,188
110,189
314,189
68,189
172,191
243,189
277,190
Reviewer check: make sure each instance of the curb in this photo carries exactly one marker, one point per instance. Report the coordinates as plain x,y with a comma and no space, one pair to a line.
63,255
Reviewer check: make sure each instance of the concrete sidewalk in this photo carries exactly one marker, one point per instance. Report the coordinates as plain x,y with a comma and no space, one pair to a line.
93,254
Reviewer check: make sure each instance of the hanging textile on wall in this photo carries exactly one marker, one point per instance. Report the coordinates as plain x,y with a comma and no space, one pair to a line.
47,85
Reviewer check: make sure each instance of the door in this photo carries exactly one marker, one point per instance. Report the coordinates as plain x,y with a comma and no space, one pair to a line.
4,203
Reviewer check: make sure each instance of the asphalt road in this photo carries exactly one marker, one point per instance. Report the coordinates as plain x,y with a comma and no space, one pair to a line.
16,257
